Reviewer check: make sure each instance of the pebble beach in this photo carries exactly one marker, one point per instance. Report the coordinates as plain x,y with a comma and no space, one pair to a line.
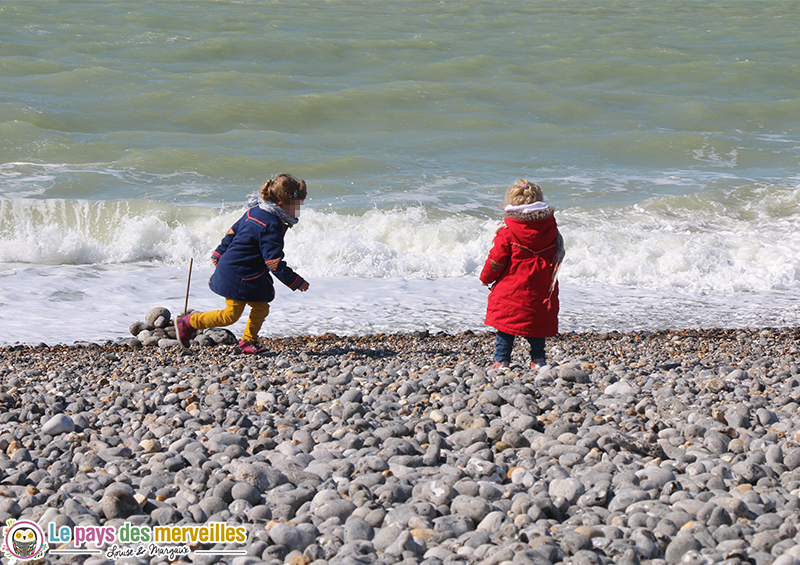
651,447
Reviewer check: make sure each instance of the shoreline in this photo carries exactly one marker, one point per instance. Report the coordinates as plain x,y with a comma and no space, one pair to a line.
315,339
642,447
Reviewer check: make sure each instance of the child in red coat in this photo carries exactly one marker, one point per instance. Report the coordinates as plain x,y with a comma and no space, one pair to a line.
521,268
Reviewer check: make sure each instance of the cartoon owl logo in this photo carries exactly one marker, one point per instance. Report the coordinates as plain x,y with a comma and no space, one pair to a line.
23,540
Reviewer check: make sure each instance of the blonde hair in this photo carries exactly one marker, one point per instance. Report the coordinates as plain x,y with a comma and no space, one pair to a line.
524,192
283,188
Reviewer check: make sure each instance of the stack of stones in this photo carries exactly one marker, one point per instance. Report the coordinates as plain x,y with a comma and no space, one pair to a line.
158,329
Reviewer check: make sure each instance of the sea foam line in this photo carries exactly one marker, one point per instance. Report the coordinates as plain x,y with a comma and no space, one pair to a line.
745,242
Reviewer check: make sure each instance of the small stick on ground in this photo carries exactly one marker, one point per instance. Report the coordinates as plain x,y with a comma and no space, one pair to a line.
188,283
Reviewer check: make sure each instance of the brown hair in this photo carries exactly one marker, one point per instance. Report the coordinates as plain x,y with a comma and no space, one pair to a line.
284,188
524,192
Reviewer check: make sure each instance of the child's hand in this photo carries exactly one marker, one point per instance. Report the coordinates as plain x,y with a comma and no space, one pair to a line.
303,287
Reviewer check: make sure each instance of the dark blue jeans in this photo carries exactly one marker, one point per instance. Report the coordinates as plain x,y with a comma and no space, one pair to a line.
505,343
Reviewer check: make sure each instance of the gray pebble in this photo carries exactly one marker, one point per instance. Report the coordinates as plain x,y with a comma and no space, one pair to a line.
679,546
246,491
58,424
356,528
118,501
472,507
290,536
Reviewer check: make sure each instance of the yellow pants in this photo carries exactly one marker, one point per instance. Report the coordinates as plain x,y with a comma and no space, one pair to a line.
232,312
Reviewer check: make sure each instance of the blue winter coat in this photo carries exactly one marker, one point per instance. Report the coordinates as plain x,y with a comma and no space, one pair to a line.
249,252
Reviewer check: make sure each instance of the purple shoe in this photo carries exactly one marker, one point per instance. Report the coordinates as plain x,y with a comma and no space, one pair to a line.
184,331
251,348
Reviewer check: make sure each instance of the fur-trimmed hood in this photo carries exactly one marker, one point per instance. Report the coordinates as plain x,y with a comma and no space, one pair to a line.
531,216
535,230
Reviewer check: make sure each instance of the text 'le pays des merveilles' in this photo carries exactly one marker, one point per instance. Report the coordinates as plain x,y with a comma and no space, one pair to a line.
214,532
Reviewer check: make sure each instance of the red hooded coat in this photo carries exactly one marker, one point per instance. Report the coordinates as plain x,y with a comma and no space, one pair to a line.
521,265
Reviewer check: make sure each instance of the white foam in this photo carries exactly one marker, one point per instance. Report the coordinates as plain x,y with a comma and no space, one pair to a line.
86,270
57,231
394,243
69,303
95,303
746,244
731,246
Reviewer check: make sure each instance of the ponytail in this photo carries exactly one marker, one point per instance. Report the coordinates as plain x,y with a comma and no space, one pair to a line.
284,188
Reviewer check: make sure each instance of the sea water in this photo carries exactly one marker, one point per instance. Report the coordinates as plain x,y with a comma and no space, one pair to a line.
665,134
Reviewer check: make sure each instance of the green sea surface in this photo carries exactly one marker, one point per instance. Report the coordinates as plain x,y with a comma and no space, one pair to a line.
375,103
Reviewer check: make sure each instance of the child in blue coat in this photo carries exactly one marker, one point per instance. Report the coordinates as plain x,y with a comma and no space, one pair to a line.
250,253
